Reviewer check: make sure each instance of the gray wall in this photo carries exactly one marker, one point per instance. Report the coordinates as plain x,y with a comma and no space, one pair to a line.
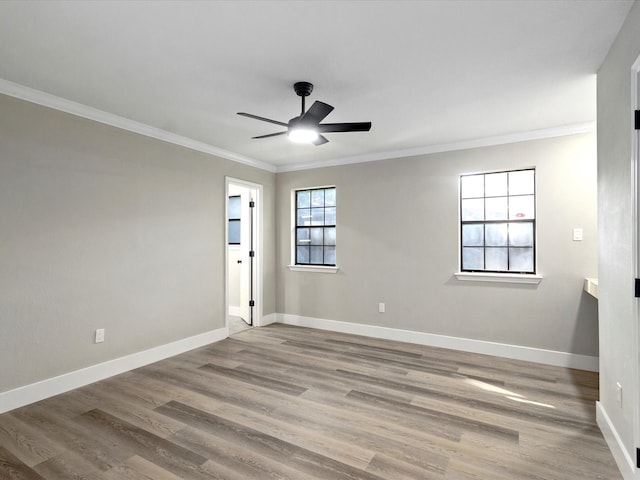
617,307
102,228
398,244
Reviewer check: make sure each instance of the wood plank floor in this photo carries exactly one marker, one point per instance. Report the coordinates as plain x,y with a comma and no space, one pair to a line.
284,402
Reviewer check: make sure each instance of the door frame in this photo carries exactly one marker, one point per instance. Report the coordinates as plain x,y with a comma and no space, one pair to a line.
258,243
635,155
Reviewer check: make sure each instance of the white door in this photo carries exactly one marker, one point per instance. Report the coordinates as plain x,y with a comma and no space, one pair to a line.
246,281
636,145
243,285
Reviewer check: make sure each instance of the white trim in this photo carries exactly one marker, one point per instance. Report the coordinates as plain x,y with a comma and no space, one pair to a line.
310,268
74,108
499,277
559,131
268,319
34,392
635,162
620,454
517,352
234,310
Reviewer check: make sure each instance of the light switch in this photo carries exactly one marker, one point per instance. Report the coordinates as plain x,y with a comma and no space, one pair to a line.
99,335
577,234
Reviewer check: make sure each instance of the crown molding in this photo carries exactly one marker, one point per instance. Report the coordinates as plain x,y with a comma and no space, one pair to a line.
74,108
80,110
559,131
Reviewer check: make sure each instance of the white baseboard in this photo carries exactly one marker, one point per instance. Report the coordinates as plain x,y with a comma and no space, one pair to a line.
234,311
620,454
34,392
268,319
548,357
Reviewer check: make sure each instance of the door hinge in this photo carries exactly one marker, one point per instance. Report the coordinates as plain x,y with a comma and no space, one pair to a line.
253,204
252,253
636,288
637,120
252,303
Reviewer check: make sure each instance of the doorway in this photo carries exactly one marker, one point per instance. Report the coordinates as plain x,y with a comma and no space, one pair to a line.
243,254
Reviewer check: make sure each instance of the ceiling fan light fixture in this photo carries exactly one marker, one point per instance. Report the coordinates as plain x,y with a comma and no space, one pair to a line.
306,127
303,135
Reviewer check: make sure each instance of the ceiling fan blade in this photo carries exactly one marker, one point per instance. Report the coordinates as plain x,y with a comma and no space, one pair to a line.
320,141
271,135
263,119
345,127
316,113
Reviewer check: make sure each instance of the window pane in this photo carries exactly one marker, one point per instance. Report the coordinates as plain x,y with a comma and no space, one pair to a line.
330,216
496,259
473,235
330,255
521,259
304,217
472,186
302,236
330,236
330,197
317,198
521,207
521,183
315,244
496,208
472,258
234,208
473,209
521,234
496,235
234,232
316,257
303,199
316,236
317,216
495,184
302,255
497,212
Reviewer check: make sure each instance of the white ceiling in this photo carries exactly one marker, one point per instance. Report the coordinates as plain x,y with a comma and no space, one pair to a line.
425,73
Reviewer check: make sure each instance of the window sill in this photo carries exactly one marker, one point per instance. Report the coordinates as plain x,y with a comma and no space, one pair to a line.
311,268
499,277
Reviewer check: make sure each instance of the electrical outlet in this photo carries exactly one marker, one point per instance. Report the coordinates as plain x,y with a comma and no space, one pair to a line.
381,308
577,234
99,335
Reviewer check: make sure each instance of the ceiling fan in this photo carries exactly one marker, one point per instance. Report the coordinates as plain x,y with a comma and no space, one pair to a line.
306,128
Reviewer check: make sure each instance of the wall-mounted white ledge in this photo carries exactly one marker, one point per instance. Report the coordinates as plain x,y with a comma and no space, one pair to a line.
310,268
591,286
499,277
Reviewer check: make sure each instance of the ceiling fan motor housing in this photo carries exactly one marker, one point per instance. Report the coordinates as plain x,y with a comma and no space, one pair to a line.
303,89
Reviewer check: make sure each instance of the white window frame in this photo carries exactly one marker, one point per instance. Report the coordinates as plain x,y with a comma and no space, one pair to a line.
308,268
496,277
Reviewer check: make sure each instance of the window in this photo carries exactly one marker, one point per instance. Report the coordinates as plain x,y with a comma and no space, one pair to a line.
498,222
315,231
234,220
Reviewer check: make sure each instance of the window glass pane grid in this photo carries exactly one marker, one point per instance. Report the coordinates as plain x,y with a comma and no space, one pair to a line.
234,207
315,227
497,212
234,212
